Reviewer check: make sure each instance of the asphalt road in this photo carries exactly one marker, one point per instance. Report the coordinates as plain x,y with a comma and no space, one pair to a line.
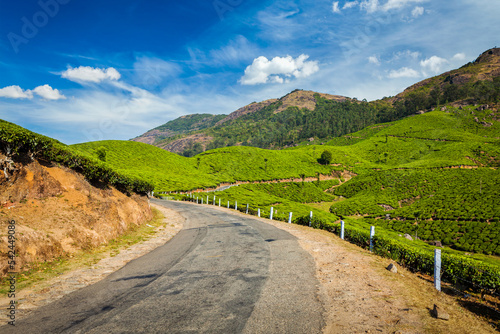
221,274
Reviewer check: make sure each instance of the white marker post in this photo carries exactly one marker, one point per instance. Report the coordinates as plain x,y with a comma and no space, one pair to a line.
310,218
214,200
437,269
372,234
207,200
228,204
219,201
236,205
342,225
196,200
271,215
247,210
258,212
290,218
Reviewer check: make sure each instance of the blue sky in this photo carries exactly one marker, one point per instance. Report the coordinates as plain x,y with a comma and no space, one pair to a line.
91,70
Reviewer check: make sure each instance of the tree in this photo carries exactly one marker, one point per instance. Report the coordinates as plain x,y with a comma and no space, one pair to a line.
326,158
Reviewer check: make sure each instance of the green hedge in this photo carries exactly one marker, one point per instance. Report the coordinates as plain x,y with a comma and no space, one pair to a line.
18,142
455,269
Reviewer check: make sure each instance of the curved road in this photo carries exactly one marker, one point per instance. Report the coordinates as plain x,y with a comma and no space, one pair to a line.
221,274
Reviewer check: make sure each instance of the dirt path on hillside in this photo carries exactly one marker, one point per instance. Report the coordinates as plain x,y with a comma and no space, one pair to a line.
346,175
51,290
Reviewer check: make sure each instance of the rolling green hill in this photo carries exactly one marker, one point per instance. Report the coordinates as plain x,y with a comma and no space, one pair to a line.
435,175
171,172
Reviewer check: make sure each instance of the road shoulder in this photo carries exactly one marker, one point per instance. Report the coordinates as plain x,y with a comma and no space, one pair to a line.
53,289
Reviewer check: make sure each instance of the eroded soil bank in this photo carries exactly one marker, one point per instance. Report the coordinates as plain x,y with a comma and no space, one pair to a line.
57,212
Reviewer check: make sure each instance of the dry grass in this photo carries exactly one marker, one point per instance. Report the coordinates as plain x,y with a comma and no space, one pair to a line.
44,271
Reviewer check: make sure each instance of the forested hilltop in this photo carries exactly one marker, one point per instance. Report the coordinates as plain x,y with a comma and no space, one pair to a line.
305,116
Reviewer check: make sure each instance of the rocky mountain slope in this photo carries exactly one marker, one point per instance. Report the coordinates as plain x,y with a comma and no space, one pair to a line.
183,124
309,116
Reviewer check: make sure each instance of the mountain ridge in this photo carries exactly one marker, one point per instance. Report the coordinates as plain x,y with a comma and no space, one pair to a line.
304,115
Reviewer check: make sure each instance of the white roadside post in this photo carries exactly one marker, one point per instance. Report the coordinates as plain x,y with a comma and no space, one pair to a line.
207,200
228,204
310,218
247,209
372,234
214,200
258,212
196,200
271,215
219,201
437,269
342,225
236,205
290,218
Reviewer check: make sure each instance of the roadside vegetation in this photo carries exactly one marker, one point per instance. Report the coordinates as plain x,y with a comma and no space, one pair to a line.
18,143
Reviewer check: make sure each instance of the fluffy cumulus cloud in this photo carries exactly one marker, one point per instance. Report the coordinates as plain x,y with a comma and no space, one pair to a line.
459,57
84,74
15,92
45,91
430,66
433,65
404,72
48,93
278,70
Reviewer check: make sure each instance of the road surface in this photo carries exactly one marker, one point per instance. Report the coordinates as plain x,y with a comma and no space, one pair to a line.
221,274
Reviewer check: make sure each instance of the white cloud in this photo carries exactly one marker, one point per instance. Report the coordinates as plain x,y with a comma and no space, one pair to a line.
372,6
350,4
459,57
278,70
236,51
335,7
417,11
48,93
404,72
405,54
374,60
84,74
433,64
15,92
397,4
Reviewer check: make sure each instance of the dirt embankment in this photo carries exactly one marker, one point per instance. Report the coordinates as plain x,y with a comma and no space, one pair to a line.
57,212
